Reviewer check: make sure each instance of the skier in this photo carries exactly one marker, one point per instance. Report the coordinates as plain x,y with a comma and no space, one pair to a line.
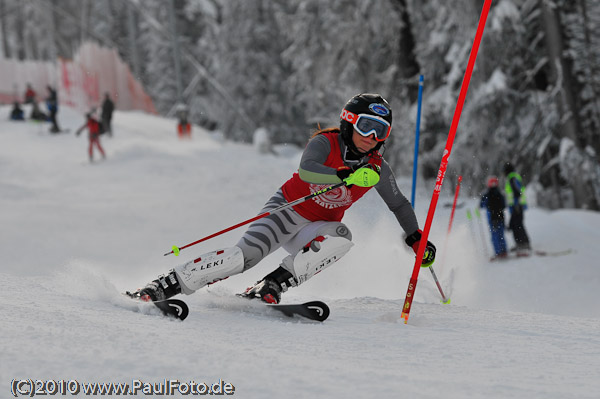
517,203
108,107
311,232
93,127
52,104
494,202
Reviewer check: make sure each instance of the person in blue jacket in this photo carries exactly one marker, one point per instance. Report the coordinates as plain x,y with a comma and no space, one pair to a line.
16,114
494,202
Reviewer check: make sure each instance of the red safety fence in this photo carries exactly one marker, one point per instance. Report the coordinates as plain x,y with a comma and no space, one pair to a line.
81,83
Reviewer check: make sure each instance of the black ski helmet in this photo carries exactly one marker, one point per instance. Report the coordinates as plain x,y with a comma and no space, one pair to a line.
508,168
365,103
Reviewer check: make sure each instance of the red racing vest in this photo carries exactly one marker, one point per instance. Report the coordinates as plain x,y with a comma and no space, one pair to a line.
331,205
93,127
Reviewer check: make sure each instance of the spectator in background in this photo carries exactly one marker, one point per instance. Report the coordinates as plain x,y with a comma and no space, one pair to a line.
94,133
17,113
517,204
108,106
29,95
494,202
52,104
184,128
36,112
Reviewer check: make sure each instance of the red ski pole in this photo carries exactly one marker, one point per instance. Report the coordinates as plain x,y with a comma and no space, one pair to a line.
363,177
412,285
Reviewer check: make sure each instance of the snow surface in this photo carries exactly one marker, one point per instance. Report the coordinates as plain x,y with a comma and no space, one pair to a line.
75,235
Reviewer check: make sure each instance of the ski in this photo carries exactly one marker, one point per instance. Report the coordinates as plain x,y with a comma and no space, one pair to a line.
173,308
553,253
314,310
516,255
169,307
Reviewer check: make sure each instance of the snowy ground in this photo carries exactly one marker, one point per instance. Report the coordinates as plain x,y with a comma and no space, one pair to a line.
74,235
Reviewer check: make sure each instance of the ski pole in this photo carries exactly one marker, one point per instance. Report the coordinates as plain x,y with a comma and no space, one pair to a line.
412,285
363,177
444,299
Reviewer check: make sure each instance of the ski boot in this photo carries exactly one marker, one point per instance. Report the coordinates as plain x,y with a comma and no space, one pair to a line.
269,289
158,290
523,250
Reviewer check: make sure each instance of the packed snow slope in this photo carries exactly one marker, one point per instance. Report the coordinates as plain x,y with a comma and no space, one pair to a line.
75,235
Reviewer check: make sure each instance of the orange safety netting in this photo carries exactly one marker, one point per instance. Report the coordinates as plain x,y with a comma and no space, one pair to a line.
81,83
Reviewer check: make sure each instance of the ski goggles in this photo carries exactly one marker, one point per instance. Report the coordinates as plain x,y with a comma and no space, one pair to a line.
366,124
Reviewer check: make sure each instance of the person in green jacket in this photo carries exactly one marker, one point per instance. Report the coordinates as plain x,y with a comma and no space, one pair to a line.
517,203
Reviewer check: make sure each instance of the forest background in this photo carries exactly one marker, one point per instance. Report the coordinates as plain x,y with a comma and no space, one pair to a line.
289,66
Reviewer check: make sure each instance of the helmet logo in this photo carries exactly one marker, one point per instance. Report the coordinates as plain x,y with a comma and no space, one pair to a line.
379,109
349,116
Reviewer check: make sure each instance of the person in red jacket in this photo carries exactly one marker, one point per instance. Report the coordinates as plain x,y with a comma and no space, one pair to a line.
29,95
184,127
95,130
311,232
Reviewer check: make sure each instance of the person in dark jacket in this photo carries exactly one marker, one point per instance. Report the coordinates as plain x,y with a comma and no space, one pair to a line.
494,202
108,107
17,112
52,104
36,112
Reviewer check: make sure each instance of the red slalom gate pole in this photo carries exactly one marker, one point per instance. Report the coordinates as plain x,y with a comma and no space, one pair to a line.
454,204
412,285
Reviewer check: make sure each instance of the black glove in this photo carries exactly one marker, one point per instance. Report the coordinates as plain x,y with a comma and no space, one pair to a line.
343,172
413,242
371,166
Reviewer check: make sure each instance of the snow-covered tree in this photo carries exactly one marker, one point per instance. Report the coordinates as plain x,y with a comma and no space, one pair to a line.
288,66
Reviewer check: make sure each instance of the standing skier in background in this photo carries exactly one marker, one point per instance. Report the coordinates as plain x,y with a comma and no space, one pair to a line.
108,107
52,104
493,201
517,204
312,231
94,133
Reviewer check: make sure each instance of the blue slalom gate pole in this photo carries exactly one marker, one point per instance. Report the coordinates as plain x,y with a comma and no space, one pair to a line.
414,182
